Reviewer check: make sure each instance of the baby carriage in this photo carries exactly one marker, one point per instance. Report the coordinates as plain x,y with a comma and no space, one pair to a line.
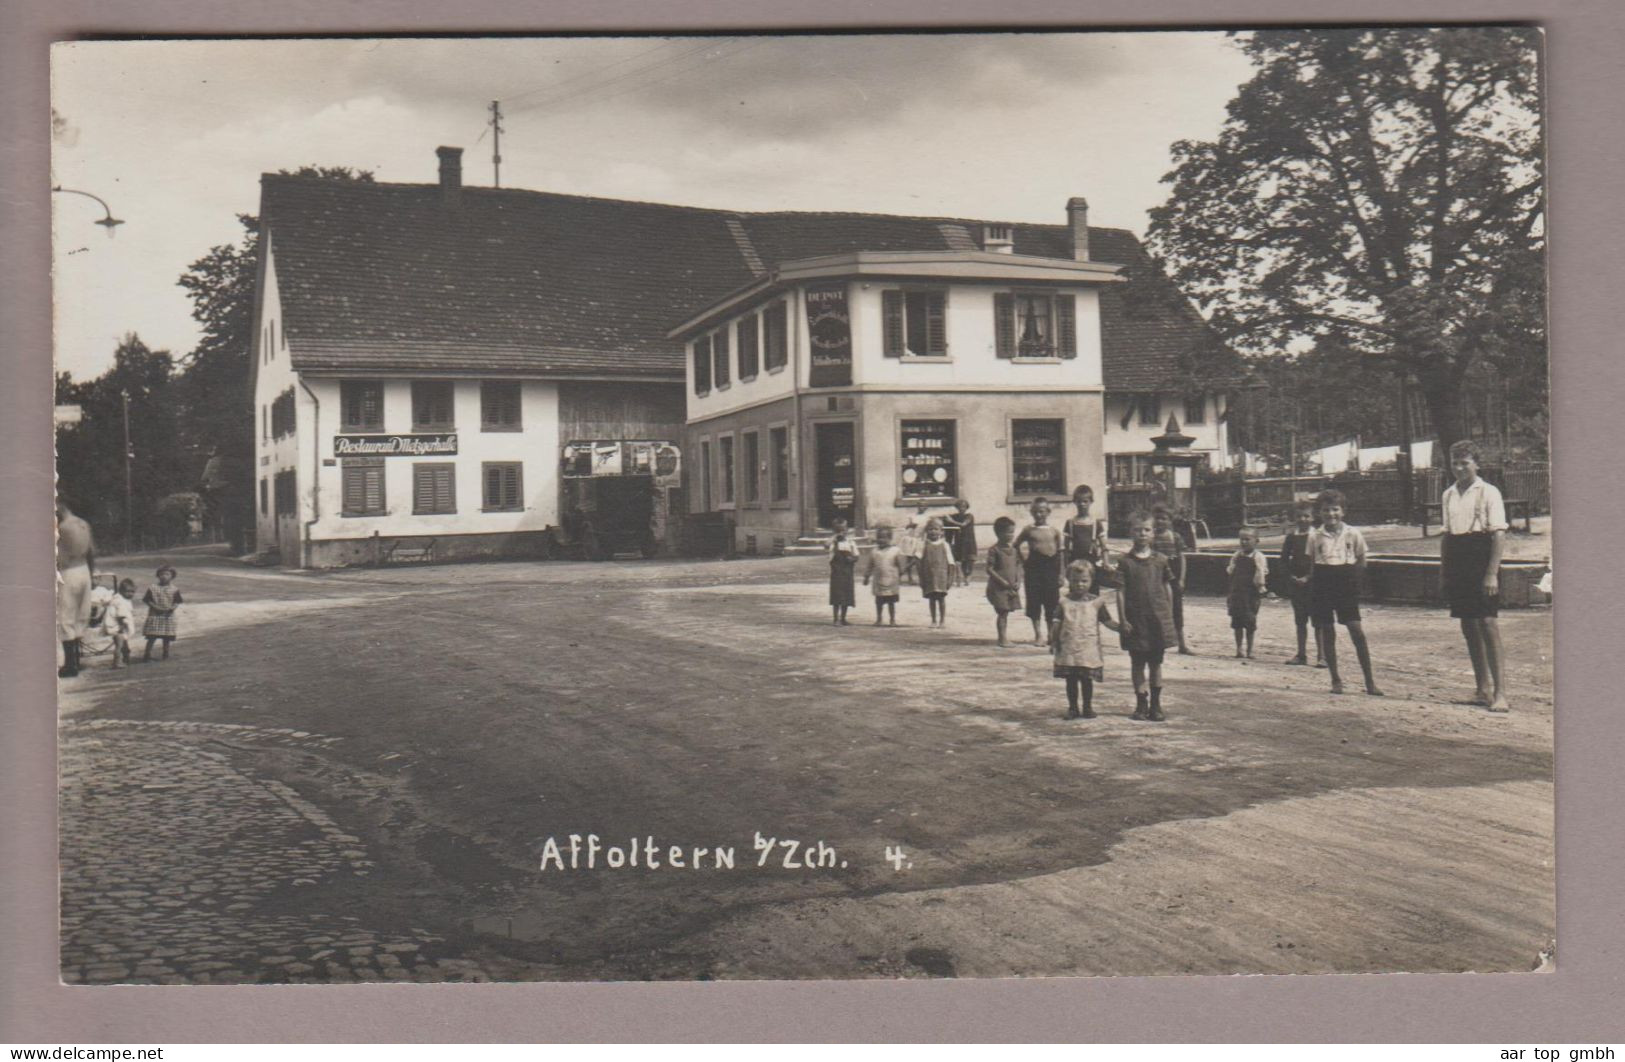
95,641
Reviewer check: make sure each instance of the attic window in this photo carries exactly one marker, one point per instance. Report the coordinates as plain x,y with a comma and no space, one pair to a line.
997,238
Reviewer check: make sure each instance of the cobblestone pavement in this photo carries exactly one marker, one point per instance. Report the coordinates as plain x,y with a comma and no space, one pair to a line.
183,865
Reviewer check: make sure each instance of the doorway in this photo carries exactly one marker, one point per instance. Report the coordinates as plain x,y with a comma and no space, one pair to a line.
836,478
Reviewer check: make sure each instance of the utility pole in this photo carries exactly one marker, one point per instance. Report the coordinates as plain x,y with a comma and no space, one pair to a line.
129,456
496,143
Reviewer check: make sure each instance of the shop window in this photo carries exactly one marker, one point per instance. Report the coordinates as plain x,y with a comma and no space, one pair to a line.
702,365
364,487
776,335
913,323
499,405
720,359
434,488
705,475
1195,409
1150,409
1029,325
503,491
265,496
361,405
725,458
779,441
750,466
1037,457
928,459
749,348
432,405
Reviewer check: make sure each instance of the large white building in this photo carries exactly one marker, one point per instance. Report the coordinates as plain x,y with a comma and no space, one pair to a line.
436,364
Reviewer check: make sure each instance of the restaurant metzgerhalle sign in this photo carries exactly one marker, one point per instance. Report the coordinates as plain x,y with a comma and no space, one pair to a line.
431,444
829,327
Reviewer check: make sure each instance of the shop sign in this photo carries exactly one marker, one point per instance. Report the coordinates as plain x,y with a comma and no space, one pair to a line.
829,327
623,457
442,444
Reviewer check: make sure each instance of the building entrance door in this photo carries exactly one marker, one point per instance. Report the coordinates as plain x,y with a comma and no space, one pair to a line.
837,475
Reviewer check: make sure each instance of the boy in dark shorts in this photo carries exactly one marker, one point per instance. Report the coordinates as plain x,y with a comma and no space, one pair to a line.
1041,569
1299,562
1475,526
1334,587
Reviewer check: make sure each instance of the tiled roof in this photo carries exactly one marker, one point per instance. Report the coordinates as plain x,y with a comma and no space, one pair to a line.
380,277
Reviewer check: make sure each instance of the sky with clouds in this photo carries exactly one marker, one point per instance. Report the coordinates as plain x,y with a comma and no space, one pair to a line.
174,134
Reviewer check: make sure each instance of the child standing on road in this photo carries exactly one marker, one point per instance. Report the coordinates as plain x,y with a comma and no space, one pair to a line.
1147,615
885,567
1334,587
161,601
1075,640
1041,569
1171,545
937,570
1249,573
1299,561
1004,576
910,540
843,562
1086,537
118,621
961,529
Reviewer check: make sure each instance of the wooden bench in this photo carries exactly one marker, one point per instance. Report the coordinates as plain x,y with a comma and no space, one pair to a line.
1517,508
405,553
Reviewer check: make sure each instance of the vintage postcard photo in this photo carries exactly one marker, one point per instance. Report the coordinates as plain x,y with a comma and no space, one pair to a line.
795,507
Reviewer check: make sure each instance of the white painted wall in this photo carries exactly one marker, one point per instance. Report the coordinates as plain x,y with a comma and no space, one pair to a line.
766,386
273,375
1211,435
536,446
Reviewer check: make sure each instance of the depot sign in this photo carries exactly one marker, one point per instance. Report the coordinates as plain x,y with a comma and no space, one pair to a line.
443,445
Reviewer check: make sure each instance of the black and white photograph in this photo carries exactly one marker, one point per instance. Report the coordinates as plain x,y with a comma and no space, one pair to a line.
802,507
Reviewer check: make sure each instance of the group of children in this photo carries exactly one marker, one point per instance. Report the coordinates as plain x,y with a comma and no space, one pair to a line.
1323,559
116,611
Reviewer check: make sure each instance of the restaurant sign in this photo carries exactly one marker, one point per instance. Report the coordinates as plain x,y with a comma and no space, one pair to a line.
443,444
829,327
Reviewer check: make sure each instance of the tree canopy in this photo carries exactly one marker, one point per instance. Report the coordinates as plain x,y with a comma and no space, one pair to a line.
1376,190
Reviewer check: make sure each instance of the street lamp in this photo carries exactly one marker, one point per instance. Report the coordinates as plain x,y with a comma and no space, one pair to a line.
108,221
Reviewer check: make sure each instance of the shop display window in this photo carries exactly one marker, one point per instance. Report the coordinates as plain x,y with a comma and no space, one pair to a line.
928,459
1037,458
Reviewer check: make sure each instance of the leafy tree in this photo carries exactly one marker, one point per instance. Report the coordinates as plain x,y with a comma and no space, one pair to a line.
215,391
1380,190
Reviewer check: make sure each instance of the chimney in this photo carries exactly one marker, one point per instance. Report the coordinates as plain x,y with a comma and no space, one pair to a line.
451,175
1077,219
998,239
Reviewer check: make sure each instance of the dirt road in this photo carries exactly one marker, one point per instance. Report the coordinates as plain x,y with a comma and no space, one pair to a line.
444,723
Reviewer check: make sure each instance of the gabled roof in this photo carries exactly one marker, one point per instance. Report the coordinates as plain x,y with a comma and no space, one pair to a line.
389,278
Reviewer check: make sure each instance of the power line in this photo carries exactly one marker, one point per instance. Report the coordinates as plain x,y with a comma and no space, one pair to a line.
593,73
592,89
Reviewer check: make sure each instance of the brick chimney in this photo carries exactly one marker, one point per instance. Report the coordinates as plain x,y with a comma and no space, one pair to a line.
1077,219
451,175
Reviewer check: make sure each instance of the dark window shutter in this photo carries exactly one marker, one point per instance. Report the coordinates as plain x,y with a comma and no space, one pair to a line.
373,495
1004,324
748,347
355,490
444,498
720,354
702,364
891,313
936,323
422,490
1066,325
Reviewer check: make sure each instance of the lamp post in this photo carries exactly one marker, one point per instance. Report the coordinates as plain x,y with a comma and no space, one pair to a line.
129,458
108,221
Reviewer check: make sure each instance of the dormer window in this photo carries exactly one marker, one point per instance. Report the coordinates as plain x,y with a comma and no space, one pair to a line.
998,239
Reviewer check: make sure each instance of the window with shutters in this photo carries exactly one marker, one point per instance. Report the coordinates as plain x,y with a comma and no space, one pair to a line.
361,405
503,487
775,336
1195,409
363,486
778,441
720,359
1035,325
702,365
750,466
1150,409
434,488
265,496
705,475
432,405
282,414
749,360
499,405
914,324
286,490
